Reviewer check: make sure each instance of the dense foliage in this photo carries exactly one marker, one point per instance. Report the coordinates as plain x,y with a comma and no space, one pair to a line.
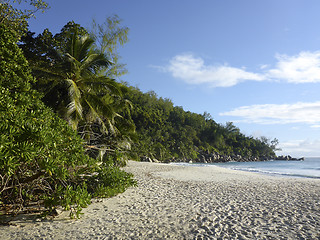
168,133
42,160
77,79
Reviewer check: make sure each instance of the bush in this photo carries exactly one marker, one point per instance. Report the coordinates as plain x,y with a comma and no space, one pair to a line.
109,181
42,159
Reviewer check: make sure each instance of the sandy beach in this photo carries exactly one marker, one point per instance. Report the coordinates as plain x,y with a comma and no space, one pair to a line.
183,202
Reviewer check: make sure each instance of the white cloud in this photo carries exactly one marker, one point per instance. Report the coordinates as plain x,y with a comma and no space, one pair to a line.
264,66
301,112
302,68
193,71
299,148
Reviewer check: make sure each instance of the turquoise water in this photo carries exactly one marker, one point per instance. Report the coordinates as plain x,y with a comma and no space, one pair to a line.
309,168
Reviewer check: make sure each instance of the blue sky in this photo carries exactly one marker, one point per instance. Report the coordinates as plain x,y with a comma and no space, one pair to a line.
253,62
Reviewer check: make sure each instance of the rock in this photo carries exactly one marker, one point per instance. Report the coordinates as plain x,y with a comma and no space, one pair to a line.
288,158
145,159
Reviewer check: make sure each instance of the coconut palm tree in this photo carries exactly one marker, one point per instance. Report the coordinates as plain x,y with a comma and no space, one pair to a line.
89,90
78,88
74,77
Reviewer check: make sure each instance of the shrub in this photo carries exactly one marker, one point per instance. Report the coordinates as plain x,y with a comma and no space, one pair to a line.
41,158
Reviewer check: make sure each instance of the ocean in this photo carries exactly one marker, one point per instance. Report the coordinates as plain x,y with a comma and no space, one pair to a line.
309,168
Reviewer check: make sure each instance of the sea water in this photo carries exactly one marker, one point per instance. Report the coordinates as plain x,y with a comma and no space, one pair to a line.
309,168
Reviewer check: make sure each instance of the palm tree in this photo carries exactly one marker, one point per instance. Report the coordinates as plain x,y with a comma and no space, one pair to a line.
95,100
89,91
78,88
74,77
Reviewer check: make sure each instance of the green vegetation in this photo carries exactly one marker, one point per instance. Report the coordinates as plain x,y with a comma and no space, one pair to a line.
17,19
168,133
42,159
77,79
67,125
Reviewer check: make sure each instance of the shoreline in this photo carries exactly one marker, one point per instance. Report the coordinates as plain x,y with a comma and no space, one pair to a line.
182,202
252,170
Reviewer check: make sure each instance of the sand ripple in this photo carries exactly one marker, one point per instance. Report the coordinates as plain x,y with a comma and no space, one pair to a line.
179,202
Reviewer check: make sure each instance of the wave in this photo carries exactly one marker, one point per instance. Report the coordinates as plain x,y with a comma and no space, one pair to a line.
191,164
274,168
275,173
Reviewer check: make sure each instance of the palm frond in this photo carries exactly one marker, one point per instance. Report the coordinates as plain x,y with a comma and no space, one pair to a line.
53,73
84,44
75,66
95,62
95,115
103,111
75,99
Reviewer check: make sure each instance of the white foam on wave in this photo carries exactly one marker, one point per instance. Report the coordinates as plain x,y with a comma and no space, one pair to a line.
276,173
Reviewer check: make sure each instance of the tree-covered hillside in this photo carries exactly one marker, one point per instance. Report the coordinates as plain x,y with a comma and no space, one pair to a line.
168,133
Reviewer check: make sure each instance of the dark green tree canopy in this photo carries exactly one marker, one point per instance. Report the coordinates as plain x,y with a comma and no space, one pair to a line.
167,132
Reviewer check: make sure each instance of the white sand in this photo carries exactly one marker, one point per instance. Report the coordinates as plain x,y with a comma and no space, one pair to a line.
180,202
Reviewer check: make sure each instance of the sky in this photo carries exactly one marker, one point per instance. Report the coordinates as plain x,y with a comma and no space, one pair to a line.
255,63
